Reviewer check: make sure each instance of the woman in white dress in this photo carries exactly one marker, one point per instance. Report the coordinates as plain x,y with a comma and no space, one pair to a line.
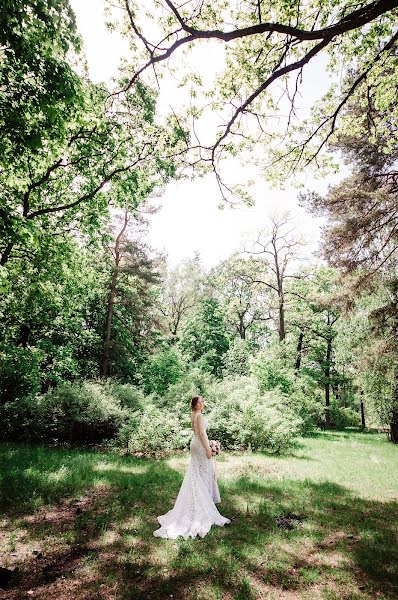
195,511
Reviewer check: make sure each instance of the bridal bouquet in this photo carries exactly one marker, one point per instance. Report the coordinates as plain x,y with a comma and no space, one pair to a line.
215,447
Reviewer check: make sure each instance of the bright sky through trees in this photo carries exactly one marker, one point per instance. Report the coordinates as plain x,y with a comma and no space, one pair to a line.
190,218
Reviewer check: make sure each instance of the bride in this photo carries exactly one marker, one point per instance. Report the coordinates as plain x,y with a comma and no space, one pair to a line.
194,511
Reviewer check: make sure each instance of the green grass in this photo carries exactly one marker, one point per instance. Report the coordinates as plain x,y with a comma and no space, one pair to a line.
92,515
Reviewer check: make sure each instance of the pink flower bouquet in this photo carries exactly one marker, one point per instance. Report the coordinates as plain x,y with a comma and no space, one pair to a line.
215,447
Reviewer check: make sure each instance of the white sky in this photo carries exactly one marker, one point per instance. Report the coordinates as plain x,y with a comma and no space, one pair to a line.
190,219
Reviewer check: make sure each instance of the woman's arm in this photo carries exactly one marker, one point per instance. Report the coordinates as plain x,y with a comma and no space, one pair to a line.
203,435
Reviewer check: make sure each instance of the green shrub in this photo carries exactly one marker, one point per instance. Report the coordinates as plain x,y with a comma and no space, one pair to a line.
269,424
242,417
19,373
236,359
178,396
344,416
225,400
19,420
130,396
306,400
59,363
157,429
80,412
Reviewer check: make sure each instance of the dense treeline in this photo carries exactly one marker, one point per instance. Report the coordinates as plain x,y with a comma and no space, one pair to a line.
101,340
174,332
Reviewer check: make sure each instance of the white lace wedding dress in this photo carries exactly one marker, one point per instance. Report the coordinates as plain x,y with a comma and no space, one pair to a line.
194,511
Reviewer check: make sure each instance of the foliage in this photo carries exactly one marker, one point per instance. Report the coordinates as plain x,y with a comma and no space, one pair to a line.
245,301
236,360
204,337
39,89
271,371
268,425
181,290
130,397
54,308
344,416
242,417
79,412
78,300
264,48
163,368
156,430
19,373
226,399
194,381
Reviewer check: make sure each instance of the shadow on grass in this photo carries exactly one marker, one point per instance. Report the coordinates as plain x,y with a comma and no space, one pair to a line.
343,541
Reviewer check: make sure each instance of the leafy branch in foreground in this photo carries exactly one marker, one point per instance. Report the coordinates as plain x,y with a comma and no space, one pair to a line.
261,60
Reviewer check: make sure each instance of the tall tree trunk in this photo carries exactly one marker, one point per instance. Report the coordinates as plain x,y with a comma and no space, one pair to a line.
281,299
394,416
282,329
105,360
363,422
394,427
299,351
242,328
105,365
327,383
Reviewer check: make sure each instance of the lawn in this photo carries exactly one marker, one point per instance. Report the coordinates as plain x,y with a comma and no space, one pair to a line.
78,524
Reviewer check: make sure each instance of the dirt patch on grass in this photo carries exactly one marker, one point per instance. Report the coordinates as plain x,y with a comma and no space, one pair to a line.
47,551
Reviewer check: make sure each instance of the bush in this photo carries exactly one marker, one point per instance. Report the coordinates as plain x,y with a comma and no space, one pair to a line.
269,424
343,416
178,396
156,429
236,359
80,412
306,400
225,400
241,417
130,396
19,373
19,420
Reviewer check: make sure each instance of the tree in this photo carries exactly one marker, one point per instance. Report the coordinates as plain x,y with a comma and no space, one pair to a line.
117,256
67,151
266,48
246,303
54,309
280,247
378,361
107,159
180,292
133,275
314,313
385,321
40,91
361,231
204,337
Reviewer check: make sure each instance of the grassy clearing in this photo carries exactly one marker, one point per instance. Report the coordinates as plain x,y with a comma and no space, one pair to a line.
91,515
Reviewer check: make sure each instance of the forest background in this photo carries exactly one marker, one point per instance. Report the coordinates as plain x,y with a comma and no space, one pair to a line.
103,340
